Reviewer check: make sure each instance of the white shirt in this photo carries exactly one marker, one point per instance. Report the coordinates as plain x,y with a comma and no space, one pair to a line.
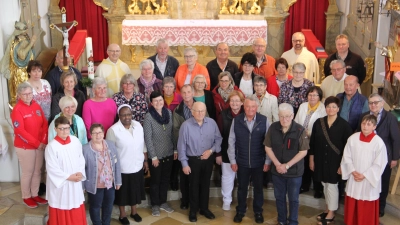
268,106
302,114
161,65
306,57
246,86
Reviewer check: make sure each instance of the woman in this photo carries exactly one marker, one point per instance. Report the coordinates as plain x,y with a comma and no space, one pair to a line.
68,105
294,91
147,81
186,72
201,95
268,104
158,137
102,165
221,93
307,114
244,79
30,129
171,98
275,82
236,100
328,139
129,94
41,87
128,137
65,171
68,82
91,113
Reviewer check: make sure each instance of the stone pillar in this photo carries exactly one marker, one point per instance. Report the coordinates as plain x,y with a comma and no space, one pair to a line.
276,34
54,15
332,26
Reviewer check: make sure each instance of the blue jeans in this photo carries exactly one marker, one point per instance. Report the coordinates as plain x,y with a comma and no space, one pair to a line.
291,187
103,200
244,174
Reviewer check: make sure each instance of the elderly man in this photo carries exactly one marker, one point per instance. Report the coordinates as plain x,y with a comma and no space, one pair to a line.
265,63
333,85
53,77
220,64
388,130
353,103
247,157
286,144
354,63
199,139
112,69
164,64
299,53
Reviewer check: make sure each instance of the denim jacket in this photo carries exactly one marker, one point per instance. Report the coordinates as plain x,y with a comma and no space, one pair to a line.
90,184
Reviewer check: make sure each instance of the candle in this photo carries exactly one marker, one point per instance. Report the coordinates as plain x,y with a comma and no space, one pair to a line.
89,47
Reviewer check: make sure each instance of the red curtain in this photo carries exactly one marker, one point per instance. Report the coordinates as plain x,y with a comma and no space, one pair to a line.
89,17
306,14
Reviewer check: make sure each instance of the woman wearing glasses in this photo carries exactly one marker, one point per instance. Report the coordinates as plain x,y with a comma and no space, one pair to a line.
148,82
201,95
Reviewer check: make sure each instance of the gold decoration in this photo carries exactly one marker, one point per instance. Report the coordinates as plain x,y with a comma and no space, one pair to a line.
134,7
286,9
164,8
148,7
239,9
224,9
255,9
63,10
369,62
321,63
232,8
132,48
157,6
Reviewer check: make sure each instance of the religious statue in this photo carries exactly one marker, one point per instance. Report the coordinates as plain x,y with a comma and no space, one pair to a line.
17,55
64,32
391,55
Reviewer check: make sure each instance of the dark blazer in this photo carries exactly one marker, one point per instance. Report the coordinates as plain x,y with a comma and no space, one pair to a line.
210,104
170,69
237,77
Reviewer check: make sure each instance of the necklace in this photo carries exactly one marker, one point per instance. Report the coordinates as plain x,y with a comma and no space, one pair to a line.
36,85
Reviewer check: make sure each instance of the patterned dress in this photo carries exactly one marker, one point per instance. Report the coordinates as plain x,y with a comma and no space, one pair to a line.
43,98
137,102
287,93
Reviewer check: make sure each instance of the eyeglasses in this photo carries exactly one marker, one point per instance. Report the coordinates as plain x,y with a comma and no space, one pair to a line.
114,51
235,101
298,73
27,94
295,41
224,81
338,69
97,133
63,128
259,85
313,95
128,84
198,82
198,111
374,103
188,56
332,107
259,46
286,117
247,65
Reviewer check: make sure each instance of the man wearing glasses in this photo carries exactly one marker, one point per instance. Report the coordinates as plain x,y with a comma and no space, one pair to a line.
265,63
112,69
333,85
388,130
299,53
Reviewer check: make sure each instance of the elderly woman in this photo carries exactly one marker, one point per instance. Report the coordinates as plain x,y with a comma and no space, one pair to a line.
65,171
68,82
30,129
294,91
102,165
244,80
201,95
307,114
68,106
328,139
99,109
158,137
268,104
221,93
171,98
147,81
41,87
129,94
275,82
235,100
128,137
186,72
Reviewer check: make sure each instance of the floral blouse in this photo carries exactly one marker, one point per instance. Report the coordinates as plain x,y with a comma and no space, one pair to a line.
288,95
137,102
43,98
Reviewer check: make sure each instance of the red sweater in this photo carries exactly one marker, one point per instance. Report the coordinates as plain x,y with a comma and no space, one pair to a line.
30,125
220,104
272,85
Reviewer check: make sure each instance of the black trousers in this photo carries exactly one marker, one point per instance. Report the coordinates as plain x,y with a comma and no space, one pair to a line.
308,176
184,186
176,168
199,182
385,187
159,180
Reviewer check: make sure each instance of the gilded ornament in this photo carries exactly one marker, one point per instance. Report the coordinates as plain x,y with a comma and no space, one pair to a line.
255,9
369,62
133,8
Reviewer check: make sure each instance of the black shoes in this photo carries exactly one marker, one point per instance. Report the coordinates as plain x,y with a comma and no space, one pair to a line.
207,213
184,205
259,218
174,186
136,217
124,221
238,217
381,214
192,217
318,194
303,190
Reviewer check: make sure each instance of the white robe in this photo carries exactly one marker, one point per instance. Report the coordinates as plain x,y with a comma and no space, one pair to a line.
306,57
370,159
61,162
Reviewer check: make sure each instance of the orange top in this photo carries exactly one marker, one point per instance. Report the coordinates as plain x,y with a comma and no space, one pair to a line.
266,69
180,75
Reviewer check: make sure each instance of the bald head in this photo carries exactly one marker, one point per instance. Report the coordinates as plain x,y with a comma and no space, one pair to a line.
199,110
60,58
298,40
350,85
113,52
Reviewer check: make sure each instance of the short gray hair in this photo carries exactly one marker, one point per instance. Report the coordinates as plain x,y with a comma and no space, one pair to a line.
146,62
162,41
188,85
376,95
299,65
128,78
98,81
285,107
67,101
23,86
337,61
190,49
169,80
252,98
197,77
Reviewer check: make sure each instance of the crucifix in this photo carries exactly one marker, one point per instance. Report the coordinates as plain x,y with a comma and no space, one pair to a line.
64,31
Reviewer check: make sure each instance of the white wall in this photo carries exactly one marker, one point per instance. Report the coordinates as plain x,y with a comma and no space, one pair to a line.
43,7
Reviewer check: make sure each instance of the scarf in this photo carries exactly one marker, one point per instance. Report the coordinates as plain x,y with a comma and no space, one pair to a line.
225,94
161,119
148,86
105,173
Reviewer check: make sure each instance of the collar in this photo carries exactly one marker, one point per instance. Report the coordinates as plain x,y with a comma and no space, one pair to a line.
158,59
60,70
109,60
121,126
193,120
313,108
379,113
367,138
344,76
245,118
63,142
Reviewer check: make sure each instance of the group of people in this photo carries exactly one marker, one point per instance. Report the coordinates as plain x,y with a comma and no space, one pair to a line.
263,122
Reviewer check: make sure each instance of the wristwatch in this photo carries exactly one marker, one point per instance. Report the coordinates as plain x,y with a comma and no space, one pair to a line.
287,166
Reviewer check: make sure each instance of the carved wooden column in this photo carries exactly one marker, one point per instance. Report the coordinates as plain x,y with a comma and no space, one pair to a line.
332,26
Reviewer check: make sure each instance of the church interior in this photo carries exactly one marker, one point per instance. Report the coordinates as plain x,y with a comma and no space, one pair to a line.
372,28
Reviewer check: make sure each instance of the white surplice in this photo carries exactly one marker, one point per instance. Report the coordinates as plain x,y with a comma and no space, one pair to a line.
61,162
369,159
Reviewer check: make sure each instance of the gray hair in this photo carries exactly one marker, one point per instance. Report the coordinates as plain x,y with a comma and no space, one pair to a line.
221,43
188,85
162,41
376,95
67,101
285,107
146,62
23,86
337,61
190,49
259,79
226,73
128,78
252,98
169,80
197,77
300,66
98,81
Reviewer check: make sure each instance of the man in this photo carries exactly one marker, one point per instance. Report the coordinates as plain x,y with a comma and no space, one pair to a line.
299,53
333,85
220,64
247,157
354,63
112,69
164,64
353,103
53,77
388,130
265,63
199,139
286,144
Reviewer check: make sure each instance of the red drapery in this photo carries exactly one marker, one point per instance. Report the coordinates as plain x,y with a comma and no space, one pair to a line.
90,18
306,14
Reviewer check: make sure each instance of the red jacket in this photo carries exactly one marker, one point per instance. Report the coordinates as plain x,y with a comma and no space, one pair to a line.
266,69
175,102
30,125
220,104
272,85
